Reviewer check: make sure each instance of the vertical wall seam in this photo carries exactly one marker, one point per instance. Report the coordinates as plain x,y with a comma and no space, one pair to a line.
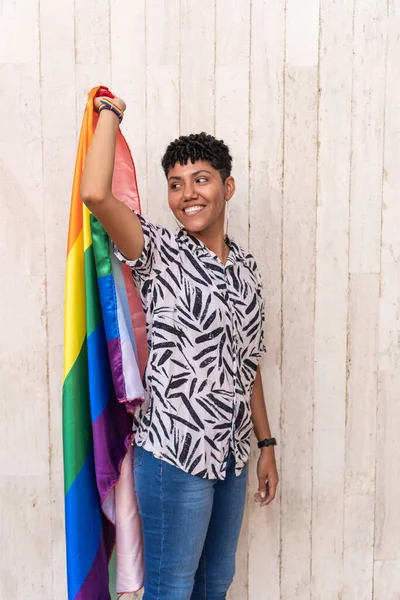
249,121
215,69
75,63
379,297
46,305
180,70
282,340
317,171
146,203
249,188
110,53
348,282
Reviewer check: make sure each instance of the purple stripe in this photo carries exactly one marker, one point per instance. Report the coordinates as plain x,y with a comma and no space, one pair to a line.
112,431
115,355
109,539
95,586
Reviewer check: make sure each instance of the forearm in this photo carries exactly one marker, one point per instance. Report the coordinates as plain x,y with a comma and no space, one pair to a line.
97,174
266,466
258,410
120,222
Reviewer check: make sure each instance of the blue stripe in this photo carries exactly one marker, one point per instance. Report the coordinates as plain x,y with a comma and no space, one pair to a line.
100,379
109,306
127,314
123,297
83,526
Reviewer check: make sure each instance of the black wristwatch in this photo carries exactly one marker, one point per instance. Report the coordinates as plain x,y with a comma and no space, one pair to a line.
266,443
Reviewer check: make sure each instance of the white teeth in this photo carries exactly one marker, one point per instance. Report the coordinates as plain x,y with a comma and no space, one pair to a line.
193,209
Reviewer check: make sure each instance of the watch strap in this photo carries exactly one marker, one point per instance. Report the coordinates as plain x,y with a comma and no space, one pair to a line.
266,443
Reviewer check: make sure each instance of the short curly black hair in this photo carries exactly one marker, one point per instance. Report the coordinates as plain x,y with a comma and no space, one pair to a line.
198,146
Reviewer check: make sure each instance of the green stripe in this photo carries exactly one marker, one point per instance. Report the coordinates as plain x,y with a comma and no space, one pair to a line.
101,246
77,423
93,306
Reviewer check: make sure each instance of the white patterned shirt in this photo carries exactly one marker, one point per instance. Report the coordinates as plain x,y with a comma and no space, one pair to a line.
205,332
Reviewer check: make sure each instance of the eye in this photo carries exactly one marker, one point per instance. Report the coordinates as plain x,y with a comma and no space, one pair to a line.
175,186
201,180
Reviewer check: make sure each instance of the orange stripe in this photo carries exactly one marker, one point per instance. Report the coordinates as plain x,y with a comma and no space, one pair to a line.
87,236
76,213
75,217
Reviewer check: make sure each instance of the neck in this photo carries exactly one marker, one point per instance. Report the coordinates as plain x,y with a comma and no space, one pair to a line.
214,242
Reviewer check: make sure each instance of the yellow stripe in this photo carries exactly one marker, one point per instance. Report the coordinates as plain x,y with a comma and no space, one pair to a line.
87,234
75,317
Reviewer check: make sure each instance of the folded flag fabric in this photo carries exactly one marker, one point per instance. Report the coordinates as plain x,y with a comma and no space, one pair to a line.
105,353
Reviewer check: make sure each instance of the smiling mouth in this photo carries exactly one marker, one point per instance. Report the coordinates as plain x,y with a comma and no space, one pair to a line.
193,210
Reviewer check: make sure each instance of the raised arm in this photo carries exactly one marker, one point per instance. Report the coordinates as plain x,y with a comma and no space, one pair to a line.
121,224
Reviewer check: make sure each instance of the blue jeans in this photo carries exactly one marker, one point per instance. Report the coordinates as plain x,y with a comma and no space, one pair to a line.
191,529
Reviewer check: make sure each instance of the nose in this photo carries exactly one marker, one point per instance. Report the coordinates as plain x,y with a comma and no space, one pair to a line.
189,192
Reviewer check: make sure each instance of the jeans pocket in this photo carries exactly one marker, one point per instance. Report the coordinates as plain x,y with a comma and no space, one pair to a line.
138,454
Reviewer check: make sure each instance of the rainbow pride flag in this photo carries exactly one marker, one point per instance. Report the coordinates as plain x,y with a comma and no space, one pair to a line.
105,353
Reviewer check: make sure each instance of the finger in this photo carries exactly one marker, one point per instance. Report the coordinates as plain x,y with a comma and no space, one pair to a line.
271,495
104,91
97,102
262,487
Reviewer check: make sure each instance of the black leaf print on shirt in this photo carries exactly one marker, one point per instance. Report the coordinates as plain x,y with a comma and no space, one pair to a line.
205,311
209,336
205,351
176,383
210,320
198,302
165,357
194,464
206,362
186,448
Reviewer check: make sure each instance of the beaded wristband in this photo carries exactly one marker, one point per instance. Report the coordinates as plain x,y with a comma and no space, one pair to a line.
107,105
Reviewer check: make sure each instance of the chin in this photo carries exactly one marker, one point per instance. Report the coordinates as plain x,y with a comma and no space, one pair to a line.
193,227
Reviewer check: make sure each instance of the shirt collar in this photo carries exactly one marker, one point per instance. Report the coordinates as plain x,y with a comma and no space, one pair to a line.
237,254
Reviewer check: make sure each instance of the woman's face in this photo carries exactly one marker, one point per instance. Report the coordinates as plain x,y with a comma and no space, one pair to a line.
197,196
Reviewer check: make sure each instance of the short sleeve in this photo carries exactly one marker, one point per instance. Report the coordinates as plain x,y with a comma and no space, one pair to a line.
154,238
262,349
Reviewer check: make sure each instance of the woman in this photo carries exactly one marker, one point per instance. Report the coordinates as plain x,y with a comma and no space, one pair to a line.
202,296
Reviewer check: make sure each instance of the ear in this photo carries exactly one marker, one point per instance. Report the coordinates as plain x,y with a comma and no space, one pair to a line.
230,187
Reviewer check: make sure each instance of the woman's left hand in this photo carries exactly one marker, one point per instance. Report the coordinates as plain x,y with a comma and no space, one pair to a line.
267,476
